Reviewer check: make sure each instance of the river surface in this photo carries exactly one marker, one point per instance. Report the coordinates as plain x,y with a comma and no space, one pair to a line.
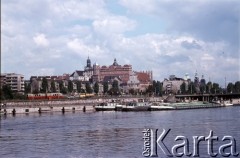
112,134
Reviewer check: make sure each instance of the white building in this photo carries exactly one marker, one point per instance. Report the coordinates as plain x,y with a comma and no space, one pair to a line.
85,75
15,81
173,84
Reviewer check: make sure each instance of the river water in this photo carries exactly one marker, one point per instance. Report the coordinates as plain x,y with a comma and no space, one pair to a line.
111,134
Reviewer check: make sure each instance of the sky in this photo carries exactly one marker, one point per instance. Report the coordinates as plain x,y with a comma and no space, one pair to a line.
53,37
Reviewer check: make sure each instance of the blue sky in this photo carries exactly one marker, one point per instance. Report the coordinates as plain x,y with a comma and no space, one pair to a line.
52,37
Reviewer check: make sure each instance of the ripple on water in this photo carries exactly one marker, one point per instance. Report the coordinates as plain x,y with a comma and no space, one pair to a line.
107,134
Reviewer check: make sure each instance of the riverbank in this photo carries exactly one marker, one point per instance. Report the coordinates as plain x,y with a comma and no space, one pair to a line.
69,102
71,105
84,105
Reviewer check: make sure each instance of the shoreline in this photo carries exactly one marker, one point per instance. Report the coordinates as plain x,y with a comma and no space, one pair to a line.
84,105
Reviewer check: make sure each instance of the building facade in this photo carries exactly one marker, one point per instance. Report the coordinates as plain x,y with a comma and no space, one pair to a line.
100,72
173,84
85,75
15,81
36,82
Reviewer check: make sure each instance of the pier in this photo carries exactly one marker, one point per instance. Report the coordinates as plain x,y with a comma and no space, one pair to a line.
235,97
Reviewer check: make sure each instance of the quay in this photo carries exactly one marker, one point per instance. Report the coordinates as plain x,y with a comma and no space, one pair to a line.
71,105
44,109
209,97
82,105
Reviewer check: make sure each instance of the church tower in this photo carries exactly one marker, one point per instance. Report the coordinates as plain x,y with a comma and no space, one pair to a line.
88,63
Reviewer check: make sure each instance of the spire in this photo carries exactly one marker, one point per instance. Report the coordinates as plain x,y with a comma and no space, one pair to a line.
115,62
88,63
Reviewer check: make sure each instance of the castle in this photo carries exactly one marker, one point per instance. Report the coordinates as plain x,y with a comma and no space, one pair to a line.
124,74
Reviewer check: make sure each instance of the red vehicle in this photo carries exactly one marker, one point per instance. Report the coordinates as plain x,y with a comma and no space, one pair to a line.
48,96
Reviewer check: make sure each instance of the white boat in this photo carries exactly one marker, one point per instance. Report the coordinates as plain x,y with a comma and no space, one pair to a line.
140,105
160,106
227,103
223,102
118,107
109,106
105,107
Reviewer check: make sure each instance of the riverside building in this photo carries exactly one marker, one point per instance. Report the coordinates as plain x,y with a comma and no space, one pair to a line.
124,74
15,81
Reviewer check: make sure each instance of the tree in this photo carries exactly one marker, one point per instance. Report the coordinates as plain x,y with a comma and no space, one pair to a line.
154,87
19,96
115,88
237,87
83,90
88,88
7,92
131,91
62,88
27,88
150,90
70,86
79,86
96,88
105,87
230,88
191,88
183,88
44,85
53,87
203,87
215,88
35,86
1,94
209,87
159,88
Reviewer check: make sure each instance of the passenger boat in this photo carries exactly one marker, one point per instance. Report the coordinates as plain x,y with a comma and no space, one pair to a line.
161,106
140,105
105,107
109,106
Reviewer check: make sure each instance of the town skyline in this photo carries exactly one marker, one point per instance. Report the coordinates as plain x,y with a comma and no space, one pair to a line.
190,76
56,37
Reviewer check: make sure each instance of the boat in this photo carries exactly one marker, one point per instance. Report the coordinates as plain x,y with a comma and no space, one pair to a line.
223,102
227,103
161,106
140,105
109,106
105,106
118,107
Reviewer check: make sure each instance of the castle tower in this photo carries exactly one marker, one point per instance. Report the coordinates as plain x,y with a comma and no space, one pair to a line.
89,63
115,62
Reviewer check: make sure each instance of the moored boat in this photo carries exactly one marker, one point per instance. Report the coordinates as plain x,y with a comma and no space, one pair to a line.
227,103
160,106
105,107
140,105
118,107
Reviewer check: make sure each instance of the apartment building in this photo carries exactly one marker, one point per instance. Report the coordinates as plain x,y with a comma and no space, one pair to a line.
15,81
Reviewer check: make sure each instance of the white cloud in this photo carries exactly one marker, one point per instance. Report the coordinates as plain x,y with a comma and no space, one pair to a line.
113,24
45,71
41,40
69,31
84,50
207,57
141,7
73,9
